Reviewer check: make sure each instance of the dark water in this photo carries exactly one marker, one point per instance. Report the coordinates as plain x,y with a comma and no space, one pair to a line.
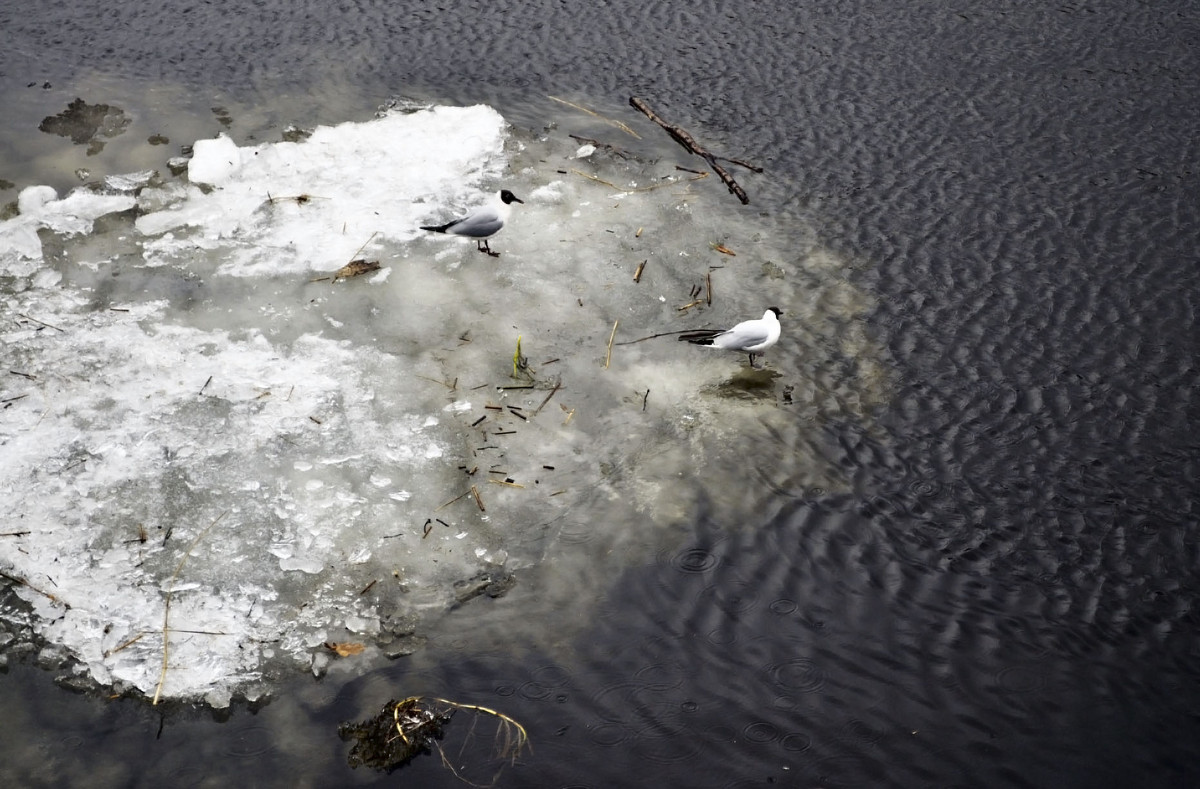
1009,595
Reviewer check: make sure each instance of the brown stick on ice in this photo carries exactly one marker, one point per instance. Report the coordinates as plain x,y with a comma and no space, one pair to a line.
689,143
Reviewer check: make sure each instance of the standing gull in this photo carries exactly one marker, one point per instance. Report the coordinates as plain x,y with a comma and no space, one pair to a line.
750,337
483,222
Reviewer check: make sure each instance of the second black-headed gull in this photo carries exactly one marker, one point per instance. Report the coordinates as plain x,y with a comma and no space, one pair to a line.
752,337
482,223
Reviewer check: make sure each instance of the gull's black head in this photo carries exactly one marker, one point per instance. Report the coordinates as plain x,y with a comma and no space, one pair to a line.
509,198
778,312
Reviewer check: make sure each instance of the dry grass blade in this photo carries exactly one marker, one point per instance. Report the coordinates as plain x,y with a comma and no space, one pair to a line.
608,357
597,180
594,114
119,647
19,580
162,677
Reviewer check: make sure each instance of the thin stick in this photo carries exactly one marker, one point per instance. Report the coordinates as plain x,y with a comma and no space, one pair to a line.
478,500
608,358
448,503
40,323
162,677
637,275
18,580
652,336
609,121
689,143
708,287
597,180
538,410
117,649
436,381
649,188
360,249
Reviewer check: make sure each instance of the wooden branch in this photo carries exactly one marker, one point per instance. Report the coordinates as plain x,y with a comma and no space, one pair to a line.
689,143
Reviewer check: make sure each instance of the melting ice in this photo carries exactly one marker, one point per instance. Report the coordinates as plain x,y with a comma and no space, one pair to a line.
195,409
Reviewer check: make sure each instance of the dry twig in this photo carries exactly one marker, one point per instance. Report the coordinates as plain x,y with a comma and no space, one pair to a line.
689,144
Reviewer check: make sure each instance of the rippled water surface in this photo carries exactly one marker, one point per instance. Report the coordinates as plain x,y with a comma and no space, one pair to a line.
1000,589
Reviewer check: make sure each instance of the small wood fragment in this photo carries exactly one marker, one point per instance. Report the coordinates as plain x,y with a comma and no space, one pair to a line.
344,648
478,500
637,275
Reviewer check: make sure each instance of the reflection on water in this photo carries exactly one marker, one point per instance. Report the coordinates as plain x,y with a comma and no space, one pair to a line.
965,559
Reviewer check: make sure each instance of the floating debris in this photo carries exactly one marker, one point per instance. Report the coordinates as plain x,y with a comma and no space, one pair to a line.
416,725
356,268
344,648
87,123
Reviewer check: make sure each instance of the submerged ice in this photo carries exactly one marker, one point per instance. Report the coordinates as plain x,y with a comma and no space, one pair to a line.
197,410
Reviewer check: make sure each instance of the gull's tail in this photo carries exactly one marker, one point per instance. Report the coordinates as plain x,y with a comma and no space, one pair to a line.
438,228
701,336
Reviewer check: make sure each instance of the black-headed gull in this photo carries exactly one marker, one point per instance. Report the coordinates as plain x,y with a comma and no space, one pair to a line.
483,222
752,337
